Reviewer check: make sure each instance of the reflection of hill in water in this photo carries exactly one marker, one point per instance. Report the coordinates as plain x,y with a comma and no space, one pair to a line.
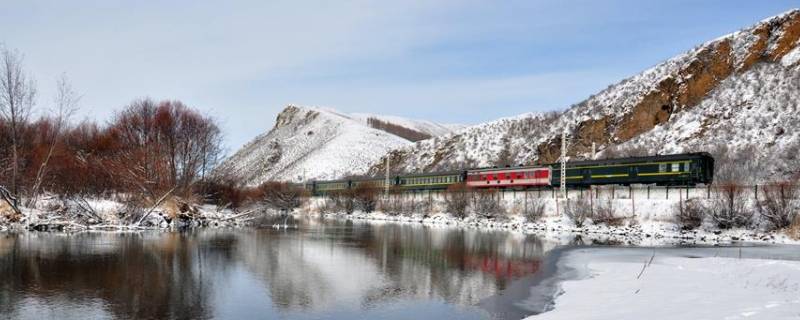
368,264
322,266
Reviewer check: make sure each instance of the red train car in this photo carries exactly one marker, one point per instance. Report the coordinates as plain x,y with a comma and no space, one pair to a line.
509,177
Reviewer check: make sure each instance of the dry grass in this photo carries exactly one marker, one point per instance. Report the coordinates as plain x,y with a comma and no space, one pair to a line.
794,230
7,213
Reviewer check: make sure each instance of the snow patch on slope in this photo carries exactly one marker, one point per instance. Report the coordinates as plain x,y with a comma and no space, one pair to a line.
791,58
310,143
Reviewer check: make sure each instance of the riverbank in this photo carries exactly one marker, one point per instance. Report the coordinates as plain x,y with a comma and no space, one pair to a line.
644,232
75,215
676,283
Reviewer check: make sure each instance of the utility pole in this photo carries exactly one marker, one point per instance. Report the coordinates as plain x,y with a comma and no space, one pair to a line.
386,182
564,164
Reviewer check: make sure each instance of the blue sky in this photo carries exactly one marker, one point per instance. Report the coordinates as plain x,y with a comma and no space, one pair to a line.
447,61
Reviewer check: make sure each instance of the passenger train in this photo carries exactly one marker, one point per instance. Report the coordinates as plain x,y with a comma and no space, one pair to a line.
686,169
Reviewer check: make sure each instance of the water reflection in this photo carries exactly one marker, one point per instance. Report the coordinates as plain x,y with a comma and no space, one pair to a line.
323,269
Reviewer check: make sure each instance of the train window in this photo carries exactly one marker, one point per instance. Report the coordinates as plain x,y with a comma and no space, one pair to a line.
676,167
662,167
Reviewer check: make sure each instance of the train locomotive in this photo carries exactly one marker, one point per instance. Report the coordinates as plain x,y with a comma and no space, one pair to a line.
688,169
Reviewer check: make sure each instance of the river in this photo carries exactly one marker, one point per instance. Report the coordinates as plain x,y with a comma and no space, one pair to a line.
315,269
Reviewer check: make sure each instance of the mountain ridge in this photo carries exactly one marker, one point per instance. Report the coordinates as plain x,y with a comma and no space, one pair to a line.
623,111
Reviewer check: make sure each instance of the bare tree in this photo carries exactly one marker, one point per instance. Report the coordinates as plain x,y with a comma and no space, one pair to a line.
17,97
66,103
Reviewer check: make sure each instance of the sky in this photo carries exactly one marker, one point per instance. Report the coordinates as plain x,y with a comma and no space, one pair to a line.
461,62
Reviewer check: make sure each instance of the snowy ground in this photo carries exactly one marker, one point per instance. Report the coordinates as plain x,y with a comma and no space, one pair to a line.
608,285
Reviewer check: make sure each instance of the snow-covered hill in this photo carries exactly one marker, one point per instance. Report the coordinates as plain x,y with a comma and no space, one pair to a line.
317,143
740,90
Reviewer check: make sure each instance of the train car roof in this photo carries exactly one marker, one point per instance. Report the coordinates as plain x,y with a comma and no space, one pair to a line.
508,168
330,181
656,158
432,174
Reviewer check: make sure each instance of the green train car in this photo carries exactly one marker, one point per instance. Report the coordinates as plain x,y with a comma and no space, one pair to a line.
678,169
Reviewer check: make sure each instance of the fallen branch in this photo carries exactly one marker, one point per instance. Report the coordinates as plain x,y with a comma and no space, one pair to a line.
10,199
158,203
87,208
647,264
246,213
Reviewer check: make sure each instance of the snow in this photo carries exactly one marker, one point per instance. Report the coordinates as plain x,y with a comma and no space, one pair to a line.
311,143
675,287
791,58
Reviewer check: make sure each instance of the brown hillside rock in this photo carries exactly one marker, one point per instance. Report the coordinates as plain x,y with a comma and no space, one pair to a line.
756,52
683,90
789,33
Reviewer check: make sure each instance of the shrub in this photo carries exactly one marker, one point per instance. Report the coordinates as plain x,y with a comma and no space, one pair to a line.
604,213
779,208
342,201
282,196
487,203
533,210
393,205
456,200
690,214
578,211
226,193
365,196
730,209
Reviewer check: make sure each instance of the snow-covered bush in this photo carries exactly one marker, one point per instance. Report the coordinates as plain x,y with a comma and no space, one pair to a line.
729,209
456,199
533,210
578,211
487,204
605,213
690,214
779,207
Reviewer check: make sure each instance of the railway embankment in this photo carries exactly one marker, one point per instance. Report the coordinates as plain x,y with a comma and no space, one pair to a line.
626,216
